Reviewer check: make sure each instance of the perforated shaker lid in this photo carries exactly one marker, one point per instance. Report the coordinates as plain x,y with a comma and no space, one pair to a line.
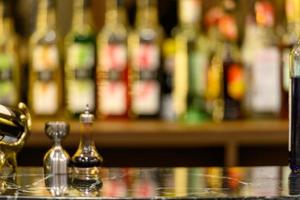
57,129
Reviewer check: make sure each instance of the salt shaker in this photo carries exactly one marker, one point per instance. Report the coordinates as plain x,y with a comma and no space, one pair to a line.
56,160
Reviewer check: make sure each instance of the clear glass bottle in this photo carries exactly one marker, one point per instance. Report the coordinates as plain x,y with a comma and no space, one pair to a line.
80,60
191,59
45,72
264,59
9,58
86,161
112,67
289,39
294,109
145,61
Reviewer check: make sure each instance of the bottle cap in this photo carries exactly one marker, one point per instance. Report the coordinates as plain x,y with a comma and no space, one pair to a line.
49,3
146,3
189,11
87,3
57,130
87,116
120,2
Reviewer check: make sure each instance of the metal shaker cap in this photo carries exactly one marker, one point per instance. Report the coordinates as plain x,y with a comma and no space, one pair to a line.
57,130
87,116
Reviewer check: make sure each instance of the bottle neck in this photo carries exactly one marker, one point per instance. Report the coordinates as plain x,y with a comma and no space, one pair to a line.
6,23
86,135
147,14
46,19
82,19
189,14
115,14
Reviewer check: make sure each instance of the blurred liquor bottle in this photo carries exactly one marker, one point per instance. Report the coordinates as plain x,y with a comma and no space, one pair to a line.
145,60
112,68
168,112
191,59
45,73
289,39
80,60
262,58
226,76
9,58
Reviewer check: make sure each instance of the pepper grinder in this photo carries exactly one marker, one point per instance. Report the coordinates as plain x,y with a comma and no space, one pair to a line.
86,161
56,160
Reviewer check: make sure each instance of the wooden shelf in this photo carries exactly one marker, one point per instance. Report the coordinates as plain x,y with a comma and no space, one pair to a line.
167,134
159,134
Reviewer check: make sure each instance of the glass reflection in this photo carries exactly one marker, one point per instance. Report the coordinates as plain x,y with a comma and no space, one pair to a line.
87,187
142,183
294,184
57,184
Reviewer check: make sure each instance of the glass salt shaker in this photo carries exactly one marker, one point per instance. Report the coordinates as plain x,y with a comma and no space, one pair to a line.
56,160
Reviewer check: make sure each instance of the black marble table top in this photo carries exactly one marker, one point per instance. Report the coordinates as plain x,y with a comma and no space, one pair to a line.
155,183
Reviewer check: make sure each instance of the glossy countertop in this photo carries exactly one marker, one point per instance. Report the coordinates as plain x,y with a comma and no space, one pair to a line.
154,183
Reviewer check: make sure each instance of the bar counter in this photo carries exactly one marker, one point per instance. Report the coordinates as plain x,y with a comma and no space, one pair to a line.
155,183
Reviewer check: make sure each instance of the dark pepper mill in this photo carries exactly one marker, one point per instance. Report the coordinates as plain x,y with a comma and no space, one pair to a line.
86,161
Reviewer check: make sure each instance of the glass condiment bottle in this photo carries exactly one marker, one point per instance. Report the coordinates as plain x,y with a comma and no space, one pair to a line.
86,161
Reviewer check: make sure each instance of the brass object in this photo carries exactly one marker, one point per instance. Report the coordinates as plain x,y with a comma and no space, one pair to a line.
15,125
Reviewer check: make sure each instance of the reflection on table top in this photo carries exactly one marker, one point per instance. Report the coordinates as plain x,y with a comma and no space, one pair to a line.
155,183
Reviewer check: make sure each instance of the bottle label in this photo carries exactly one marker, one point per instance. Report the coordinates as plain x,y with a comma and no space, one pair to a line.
113,89
8,95
45,97
113,57
80,93
45,89
285,74
113,98
146,97
80,83
197,74
236,82
146,57
81,56
214,79
265,85
146,90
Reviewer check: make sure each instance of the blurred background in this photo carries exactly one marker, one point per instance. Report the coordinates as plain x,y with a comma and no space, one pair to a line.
171,82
